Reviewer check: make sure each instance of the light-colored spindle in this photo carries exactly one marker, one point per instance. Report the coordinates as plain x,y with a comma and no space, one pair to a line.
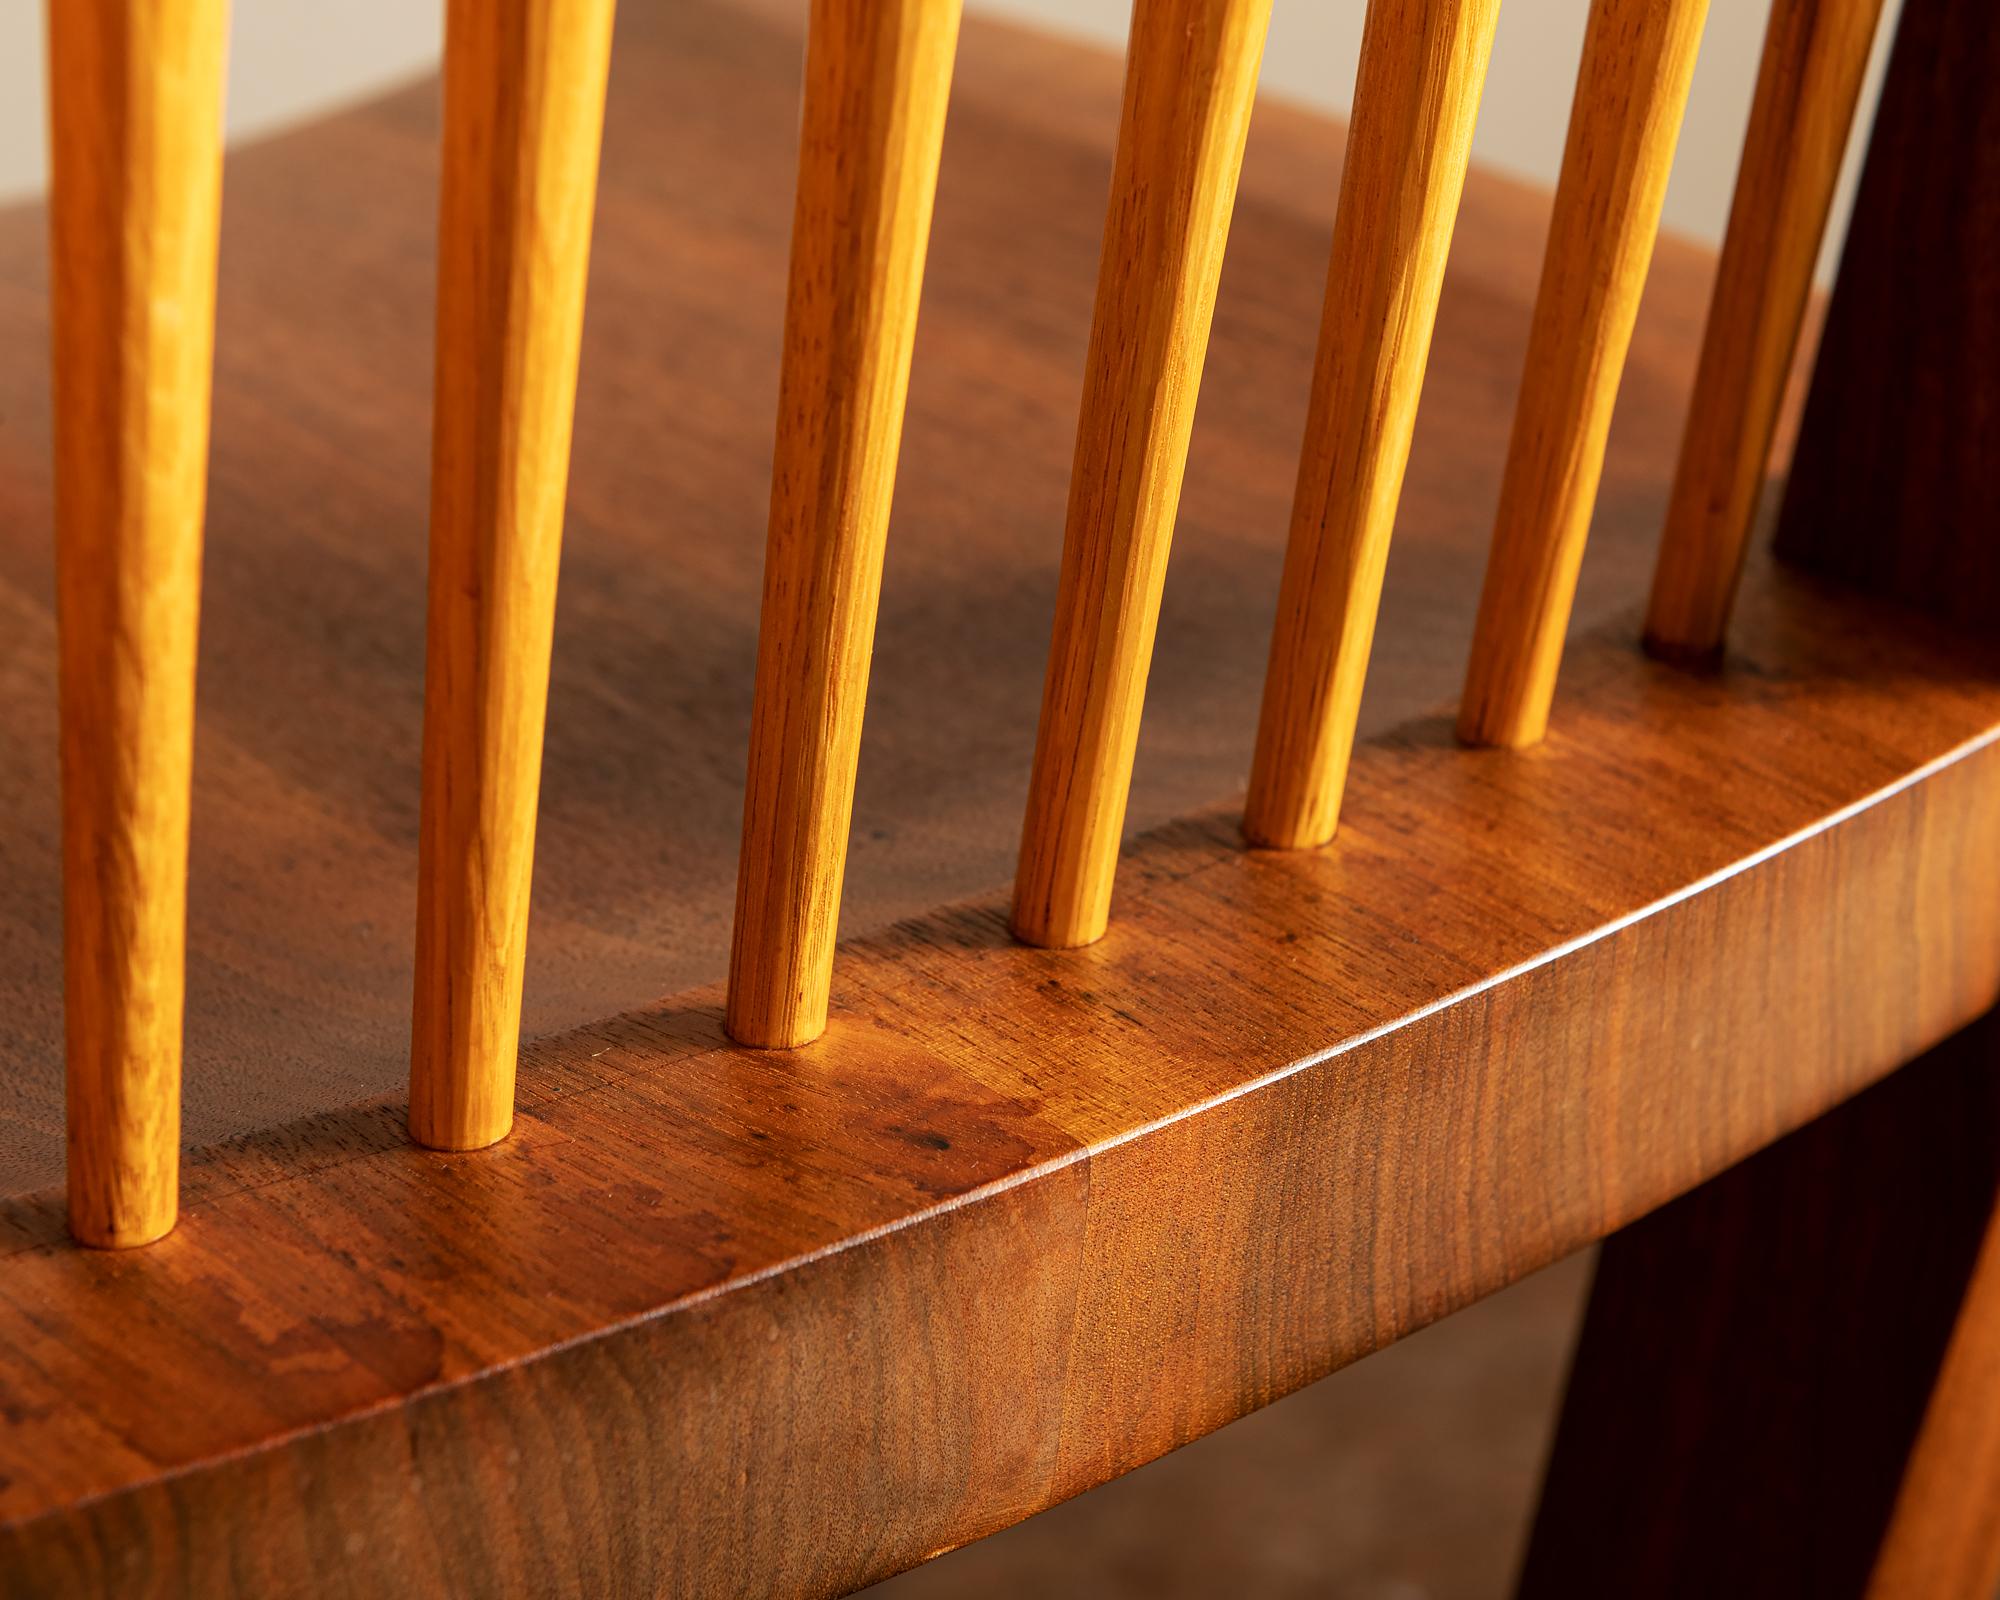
523,111
1190,79
1638,57
136,123
1815,56
877,78
1423,64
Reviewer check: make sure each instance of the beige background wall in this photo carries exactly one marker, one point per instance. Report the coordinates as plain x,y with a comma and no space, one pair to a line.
291,59
1314,46
288,60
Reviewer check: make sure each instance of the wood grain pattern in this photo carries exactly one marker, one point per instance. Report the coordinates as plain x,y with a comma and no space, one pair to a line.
1631,88
1423,64
1815,54
1902,428
136,120
878,77
1021,1220
954,1269
305,826
1785,1383
523,113
1190,80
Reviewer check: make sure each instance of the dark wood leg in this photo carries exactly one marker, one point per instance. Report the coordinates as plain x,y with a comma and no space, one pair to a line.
1788,1381
1896,479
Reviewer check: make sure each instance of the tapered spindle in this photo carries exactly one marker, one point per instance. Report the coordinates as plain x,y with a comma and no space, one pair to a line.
1423,64
1638,57
1190,79
523,110
1815,56
877,78
135,98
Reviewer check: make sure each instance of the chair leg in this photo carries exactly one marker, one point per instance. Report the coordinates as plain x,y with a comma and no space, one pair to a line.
1788,1381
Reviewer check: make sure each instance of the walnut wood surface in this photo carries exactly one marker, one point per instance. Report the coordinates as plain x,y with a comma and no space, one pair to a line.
1190,84
1815,54
1785,1384
877,79
1023,1219
302,893
1903,431
1631,88
523,114
136,114
1415,101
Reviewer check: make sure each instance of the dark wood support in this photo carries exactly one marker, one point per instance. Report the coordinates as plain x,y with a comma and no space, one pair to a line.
1785,1383
1896,479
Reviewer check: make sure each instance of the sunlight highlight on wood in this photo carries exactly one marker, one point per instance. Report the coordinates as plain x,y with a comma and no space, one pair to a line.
523,111
1190,80
1423,64
1815,56
1638,58
136,124
878,75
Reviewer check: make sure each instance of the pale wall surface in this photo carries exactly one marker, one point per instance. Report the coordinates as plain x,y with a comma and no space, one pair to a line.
291,59
1315,44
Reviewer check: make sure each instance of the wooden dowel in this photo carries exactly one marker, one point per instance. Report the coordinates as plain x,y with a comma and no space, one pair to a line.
1190,80
523,112
878,75
1423,64
1815,56
1638,57
135,95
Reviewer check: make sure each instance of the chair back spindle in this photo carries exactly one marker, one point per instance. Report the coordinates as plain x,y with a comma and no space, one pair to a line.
1024,1218
1409,139
1190,79
136,108
524,84
877,79
1815,56
136,114
1631,89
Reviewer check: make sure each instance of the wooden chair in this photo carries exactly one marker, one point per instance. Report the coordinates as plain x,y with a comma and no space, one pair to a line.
786,1284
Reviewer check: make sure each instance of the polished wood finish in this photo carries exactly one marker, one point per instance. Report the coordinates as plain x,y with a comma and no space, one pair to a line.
1785,1383
1190,80
523,114
1815,54
1902,430
305,826
136,116
1020,1220
1023,1220
878,75
1631,88
1422,67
